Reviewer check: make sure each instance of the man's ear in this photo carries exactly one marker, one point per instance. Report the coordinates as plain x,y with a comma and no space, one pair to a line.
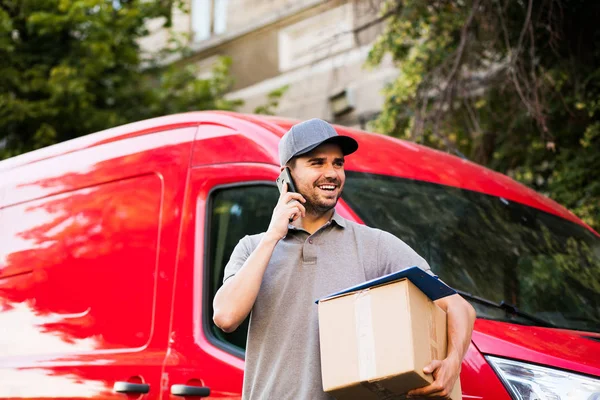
290,164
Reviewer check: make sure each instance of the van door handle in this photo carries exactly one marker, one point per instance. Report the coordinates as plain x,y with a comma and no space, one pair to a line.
187,390
128,387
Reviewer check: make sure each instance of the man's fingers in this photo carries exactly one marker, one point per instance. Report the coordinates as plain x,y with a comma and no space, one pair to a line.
290,203
294,196
425,391
301,209
284,190
433,365
297,209
438,395
295,214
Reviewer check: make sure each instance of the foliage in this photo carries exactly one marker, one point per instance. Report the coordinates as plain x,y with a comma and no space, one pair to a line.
513,85
71,67
273,99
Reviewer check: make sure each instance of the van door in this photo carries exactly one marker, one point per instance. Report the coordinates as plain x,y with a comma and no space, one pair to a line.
67,294
87,255
224,203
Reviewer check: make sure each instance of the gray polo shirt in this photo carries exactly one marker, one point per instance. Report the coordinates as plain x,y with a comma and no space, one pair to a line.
282,352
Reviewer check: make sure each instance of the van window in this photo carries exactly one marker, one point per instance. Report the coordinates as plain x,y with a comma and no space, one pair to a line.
77,270
234,213
489,247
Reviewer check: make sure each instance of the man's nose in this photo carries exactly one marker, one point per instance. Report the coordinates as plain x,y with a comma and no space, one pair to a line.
330,172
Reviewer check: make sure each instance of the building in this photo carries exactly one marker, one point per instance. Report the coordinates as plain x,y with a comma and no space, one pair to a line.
316,47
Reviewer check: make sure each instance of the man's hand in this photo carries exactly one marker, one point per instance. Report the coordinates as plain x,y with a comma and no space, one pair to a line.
289,208
461,317
445,374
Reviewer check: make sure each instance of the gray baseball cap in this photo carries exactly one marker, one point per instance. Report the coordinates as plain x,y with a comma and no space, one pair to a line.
308,135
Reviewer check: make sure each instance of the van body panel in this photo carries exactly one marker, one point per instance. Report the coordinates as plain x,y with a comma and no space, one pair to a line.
155,229
98,229
218,144
192,356
100,164
478,380
376,154
66,251
117,134
570,350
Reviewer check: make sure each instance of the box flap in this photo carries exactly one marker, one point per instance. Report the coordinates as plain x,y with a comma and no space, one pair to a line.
428,284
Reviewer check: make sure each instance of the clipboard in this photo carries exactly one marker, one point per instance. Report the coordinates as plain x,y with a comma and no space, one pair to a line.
431,285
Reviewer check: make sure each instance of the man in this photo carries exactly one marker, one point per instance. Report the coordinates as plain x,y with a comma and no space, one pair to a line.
307,252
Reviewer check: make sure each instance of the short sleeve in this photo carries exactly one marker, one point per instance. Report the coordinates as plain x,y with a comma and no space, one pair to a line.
240,254
394,255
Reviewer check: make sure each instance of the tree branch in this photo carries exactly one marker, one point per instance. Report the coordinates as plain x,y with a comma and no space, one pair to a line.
447,94
525,27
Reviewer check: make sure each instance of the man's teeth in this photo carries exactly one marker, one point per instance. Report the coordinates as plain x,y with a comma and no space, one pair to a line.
327,187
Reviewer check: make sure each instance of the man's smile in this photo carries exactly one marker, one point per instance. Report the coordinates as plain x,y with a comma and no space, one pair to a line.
327,187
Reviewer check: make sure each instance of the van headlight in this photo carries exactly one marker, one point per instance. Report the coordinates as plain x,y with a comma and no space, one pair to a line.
531,382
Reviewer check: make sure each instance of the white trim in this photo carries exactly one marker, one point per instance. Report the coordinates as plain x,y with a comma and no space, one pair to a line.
250,27
201,19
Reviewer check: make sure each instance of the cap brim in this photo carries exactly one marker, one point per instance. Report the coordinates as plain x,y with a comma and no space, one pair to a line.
346,143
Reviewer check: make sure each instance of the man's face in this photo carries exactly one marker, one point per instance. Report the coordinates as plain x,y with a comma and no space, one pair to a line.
319,177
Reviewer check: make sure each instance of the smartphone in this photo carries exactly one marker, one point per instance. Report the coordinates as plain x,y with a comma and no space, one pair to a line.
286,177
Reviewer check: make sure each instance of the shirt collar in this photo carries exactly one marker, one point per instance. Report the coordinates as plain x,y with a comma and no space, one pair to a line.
338,219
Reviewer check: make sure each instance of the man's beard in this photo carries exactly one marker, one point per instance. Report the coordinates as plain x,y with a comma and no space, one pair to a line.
314,208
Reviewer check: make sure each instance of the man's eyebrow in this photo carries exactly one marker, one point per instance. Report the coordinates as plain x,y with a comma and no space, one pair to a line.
322,159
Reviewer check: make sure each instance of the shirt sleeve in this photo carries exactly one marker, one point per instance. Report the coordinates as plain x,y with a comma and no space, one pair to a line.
240,254
394,255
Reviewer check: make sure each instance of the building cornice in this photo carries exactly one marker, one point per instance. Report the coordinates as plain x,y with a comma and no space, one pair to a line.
197,48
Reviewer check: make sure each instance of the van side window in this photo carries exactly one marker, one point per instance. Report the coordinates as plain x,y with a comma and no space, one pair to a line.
234,212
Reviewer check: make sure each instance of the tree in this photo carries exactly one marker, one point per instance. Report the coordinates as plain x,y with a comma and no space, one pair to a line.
273,98
72,67
513,85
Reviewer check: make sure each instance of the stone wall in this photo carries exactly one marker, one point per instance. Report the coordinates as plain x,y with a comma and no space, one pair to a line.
317,47
311,88
244,13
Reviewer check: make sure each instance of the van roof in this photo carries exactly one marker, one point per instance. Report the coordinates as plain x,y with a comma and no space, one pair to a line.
378,154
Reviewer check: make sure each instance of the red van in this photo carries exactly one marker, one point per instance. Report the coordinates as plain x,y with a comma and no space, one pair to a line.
113,245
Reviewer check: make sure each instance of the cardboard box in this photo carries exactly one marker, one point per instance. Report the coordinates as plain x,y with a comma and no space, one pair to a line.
375,342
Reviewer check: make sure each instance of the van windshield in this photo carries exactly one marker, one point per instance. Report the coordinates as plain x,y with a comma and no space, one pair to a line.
491,248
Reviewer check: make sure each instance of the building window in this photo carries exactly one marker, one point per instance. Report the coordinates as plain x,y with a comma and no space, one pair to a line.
234,213
209,18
